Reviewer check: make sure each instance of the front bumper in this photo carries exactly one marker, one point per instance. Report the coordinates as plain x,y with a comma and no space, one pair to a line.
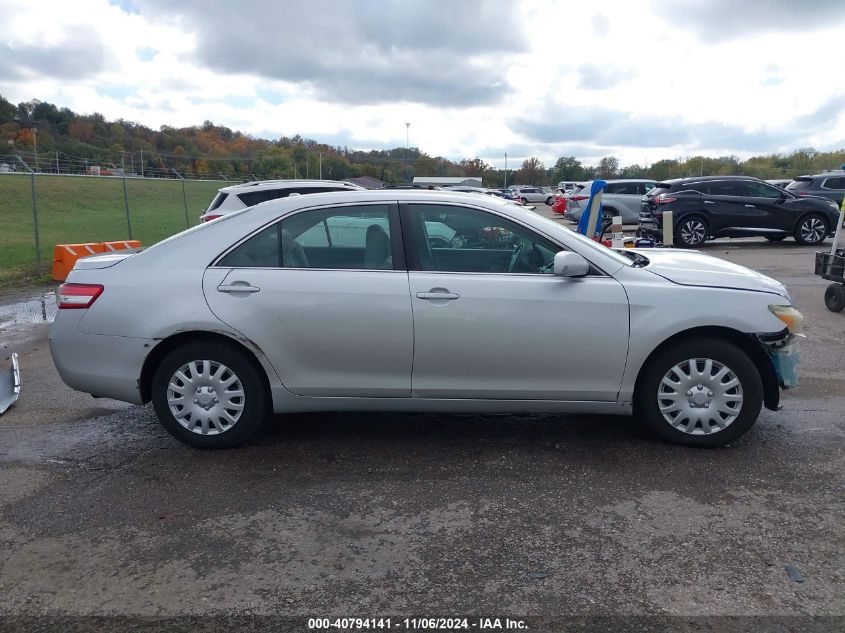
785,357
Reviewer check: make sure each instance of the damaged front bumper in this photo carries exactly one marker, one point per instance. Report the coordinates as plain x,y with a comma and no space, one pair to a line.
785,355
10,385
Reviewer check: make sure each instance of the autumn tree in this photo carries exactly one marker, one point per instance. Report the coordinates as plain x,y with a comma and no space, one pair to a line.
532,172
608,167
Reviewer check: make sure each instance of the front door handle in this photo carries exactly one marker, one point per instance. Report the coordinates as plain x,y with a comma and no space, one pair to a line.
750,206
237,287
709,202
436,295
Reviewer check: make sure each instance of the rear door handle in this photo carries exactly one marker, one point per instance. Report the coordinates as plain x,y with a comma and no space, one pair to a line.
237,287
443,296
750,206
709,202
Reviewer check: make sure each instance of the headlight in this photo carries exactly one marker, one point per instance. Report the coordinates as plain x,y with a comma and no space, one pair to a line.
793,319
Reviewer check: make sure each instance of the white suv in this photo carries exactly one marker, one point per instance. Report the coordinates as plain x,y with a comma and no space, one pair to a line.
229,199
533,194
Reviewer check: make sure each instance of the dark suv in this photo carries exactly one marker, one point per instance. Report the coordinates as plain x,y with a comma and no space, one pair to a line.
830,185
734,206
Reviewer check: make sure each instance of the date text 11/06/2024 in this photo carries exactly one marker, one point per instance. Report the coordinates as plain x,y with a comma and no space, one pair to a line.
417,624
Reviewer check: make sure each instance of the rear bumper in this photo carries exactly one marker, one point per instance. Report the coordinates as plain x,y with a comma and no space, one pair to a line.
104,366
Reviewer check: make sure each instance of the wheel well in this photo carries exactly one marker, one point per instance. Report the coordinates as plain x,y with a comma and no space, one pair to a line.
817,213
771,387
172,342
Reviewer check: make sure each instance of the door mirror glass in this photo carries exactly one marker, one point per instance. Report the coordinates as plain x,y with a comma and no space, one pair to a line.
568,264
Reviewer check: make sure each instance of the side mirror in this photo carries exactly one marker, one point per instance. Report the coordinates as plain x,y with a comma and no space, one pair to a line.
568,264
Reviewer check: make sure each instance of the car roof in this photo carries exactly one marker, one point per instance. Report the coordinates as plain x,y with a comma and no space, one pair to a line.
261,185
677,181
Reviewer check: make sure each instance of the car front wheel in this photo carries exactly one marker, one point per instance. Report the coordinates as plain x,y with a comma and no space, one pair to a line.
691,232
209,395
702,392
811,230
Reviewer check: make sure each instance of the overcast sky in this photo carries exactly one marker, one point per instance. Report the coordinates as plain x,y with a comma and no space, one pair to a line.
639,80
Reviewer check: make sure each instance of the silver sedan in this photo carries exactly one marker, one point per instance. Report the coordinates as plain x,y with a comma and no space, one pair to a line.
421,301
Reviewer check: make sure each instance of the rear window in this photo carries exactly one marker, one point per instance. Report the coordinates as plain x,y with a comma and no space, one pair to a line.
799,183
215,204
250,198
660,187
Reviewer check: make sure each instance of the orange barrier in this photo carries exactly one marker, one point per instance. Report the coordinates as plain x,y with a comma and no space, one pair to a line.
65,255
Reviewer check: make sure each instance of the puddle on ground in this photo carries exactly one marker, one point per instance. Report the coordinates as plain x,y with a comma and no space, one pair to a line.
40,309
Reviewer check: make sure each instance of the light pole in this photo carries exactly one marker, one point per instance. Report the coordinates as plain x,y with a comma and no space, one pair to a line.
407,137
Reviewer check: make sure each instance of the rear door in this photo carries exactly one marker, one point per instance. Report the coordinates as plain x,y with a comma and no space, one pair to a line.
324,293
726,205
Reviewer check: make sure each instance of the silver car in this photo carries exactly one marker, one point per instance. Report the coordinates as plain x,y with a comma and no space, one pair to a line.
343,301
620,197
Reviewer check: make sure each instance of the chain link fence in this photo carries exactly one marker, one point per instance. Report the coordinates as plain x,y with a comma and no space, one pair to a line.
39,210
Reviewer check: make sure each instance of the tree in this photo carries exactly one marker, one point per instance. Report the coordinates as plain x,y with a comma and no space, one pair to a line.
608,167
533,172
474,166
567,168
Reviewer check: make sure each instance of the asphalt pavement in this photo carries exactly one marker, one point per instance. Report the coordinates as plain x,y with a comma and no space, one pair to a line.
103,513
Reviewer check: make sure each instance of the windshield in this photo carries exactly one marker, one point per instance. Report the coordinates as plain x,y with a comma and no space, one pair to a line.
587,243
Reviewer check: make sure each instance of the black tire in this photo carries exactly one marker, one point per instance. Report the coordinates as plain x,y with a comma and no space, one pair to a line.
647,404
811,229
834,297
692,231
776,238
524,200
550,201
254,403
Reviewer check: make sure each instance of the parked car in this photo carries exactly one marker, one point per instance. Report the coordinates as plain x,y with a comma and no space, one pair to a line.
240,196
282,309
780,182
533,194
734,206
566,185
829,185
620,197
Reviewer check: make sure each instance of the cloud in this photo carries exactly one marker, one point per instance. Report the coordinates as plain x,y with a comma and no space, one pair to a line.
720,20
600,24
77,58
615,128
439,53
595,77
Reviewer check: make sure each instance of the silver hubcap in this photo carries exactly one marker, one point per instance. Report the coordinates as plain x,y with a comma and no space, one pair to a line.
812,230
700,396
206,397
693,232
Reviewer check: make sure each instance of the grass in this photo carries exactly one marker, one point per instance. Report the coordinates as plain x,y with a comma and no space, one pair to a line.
75,209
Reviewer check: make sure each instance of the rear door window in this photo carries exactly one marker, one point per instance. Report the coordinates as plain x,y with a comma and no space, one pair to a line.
251,198
723,188
833,183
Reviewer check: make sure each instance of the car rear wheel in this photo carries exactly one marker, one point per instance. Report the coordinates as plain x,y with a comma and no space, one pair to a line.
811,230
834,297
550,200
776,238
702,392
691,232
524,200
209,395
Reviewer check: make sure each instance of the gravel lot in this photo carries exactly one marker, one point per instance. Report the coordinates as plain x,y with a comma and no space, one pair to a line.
101,512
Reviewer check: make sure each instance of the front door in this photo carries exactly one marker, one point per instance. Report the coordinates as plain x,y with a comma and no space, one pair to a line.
491,321
324,294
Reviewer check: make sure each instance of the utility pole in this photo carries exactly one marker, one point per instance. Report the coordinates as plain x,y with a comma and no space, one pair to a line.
35,145
506,170
407,137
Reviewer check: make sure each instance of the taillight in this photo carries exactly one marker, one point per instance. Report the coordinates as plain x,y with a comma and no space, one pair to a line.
209,218
78,295
664,199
